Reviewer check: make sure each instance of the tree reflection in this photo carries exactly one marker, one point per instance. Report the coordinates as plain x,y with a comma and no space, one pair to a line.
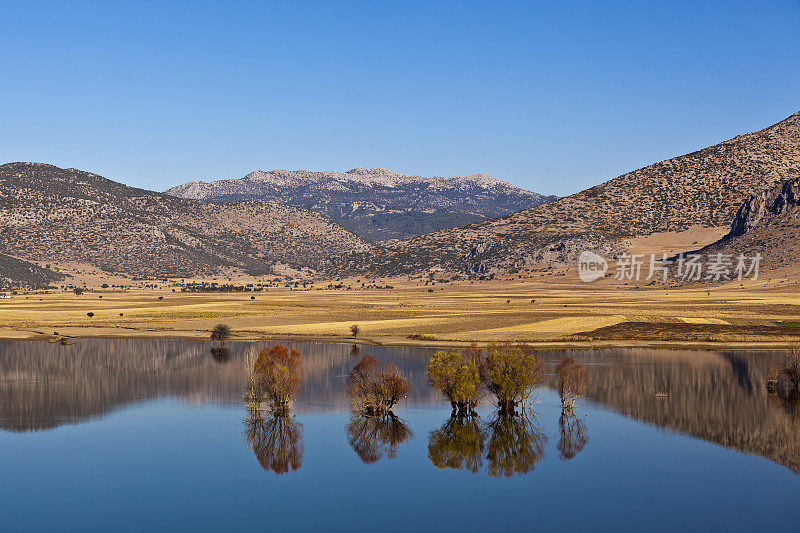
220,354
515,445
277,441
788,401
458,444
572,438
373,436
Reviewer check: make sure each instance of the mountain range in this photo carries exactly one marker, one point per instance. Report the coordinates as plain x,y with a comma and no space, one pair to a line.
377,203
747,185
703,188
50,214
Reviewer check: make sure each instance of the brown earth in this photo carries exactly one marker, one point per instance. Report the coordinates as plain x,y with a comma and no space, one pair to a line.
550,309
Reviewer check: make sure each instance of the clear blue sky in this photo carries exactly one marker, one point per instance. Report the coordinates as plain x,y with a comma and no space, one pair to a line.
553,96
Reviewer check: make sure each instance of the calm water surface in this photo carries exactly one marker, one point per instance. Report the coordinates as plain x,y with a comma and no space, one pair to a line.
129,435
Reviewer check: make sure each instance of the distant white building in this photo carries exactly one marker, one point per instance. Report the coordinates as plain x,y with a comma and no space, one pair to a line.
4,296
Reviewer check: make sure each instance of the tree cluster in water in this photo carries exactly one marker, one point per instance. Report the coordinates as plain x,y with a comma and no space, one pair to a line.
275,378
508,372
512,442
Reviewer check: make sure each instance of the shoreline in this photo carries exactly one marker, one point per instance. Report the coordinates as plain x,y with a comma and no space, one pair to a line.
7,335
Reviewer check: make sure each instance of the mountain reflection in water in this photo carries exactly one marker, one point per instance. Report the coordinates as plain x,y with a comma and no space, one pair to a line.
716,396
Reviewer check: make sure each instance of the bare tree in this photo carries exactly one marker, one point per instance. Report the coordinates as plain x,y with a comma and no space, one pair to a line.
355,329
374,388
276,377
571,382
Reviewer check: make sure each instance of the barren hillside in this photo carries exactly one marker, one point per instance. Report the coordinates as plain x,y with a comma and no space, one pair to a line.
704,188
53,214
768,223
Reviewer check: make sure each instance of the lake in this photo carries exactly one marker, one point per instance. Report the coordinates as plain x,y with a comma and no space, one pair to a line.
132,435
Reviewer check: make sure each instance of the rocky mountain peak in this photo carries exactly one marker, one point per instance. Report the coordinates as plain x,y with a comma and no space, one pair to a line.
782,200
377,203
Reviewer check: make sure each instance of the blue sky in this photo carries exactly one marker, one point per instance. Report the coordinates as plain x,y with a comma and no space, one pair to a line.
552,96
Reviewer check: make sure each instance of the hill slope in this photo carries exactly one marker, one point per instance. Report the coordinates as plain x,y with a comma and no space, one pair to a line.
377,203
53,214
703,188
768,223
17,273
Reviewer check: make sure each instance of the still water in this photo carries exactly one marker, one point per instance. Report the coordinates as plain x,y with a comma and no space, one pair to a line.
129,435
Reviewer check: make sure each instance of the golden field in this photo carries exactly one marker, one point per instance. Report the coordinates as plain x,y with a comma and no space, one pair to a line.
548,310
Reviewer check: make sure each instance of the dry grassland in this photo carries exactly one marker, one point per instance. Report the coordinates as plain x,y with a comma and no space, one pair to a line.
553,310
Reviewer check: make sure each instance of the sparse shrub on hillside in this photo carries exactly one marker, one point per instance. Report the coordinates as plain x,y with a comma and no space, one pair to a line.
90,314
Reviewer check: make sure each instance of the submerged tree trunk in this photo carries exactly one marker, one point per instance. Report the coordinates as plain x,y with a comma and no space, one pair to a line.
507,406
